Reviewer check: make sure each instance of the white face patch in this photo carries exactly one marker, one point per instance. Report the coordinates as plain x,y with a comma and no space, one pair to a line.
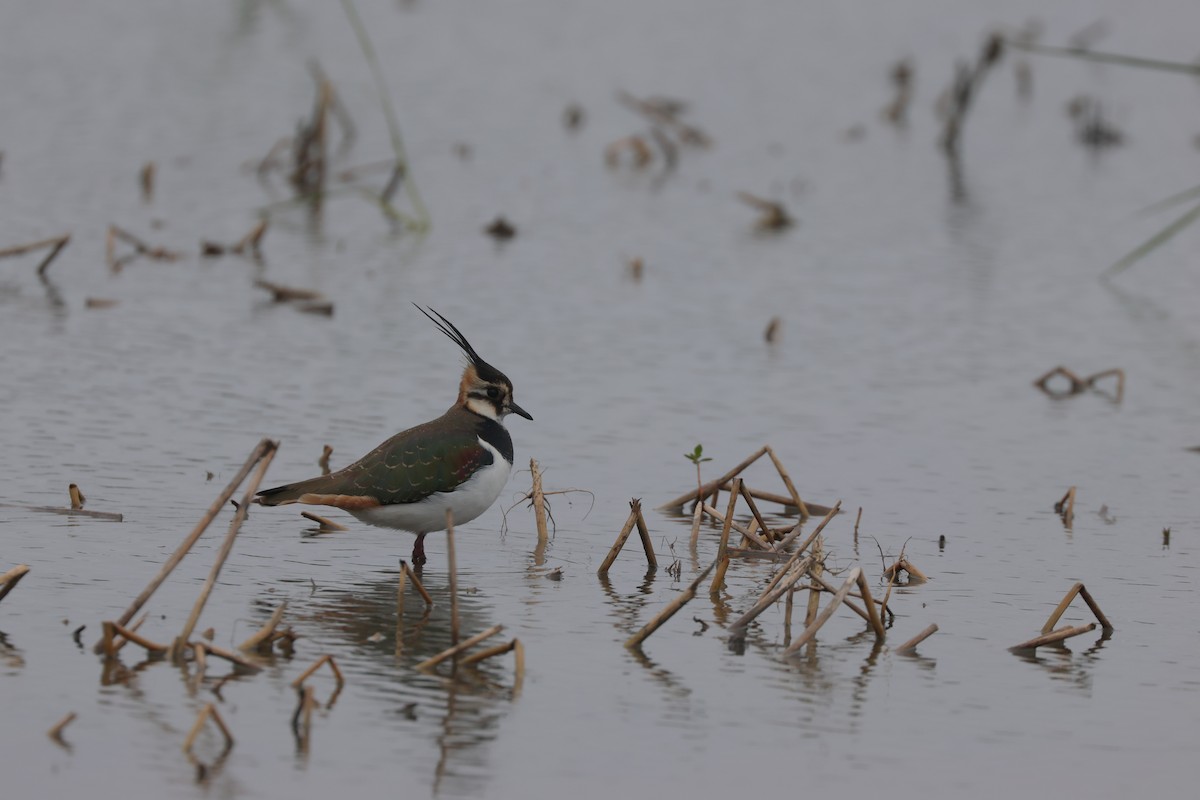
483,407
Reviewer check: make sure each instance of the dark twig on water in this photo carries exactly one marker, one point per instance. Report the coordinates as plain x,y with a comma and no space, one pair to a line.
55,243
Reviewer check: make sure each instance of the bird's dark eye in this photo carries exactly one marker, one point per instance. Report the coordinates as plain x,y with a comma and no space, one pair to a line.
493,392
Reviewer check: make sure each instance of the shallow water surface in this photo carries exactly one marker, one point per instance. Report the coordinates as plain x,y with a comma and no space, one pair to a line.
917,304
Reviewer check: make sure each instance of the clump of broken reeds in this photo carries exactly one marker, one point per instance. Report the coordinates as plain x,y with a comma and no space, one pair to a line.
1051,636
1077,385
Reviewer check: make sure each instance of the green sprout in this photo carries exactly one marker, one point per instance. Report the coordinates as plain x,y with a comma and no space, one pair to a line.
697,458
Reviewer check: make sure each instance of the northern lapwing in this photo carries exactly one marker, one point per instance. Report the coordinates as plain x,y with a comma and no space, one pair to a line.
457,462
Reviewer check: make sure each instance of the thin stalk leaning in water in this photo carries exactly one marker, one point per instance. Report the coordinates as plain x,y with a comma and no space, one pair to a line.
422,221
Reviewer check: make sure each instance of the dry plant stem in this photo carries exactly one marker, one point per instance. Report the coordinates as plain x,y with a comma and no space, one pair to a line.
722,556
644,535
119,644
69,512
872,612
857,520
141,641
1066,507
412,576
1077,589
497,650
324,523
226,548
55,244
302,719
263,636
626,529
829,514
539,503
770,597
787,481
813,509
824,616
228,655
670,609
912,643
753,508
56,732
747,535
713,485
1120,376
465,644
518,665
452,565
316,665
10,579
1051,638
264,447
77,498
208,711
697,516
201,657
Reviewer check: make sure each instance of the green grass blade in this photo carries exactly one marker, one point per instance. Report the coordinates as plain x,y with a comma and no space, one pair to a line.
1154,241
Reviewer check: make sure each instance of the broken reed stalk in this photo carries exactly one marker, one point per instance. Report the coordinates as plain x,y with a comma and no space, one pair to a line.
200,655
753,508
814,596
829,587
323,524
77,498
771,497
10,579
722,555
829,514
670,609
539,503
1066,507
711,486
226,547
405,569
302,719
748,535
497,650
316,665
1052,638
644,535
872,611
265,447
453,567
265,633
1077,589
55,243
154,648
56,732
626,529
228,655
769,597
787,481
824,616
697,516
209,711
912,643
455,649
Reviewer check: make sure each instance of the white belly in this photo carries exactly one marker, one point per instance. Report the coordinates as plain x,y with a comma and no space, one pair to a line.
468,501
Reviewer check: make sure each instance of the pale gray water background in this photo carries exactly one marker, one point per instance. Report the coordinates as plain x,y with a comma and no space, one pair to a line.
913,322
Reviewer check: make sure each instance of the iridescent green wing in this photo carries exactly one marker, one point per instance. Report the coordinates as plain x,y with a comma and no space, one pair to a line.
413,465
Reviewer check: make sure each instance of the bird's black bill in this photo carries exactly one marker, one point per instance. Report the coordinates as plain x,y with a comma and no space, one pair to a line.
516,409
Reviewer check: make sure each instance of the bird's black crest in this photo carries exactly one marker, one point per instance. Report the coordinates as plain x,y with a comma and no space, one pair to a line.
486,371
